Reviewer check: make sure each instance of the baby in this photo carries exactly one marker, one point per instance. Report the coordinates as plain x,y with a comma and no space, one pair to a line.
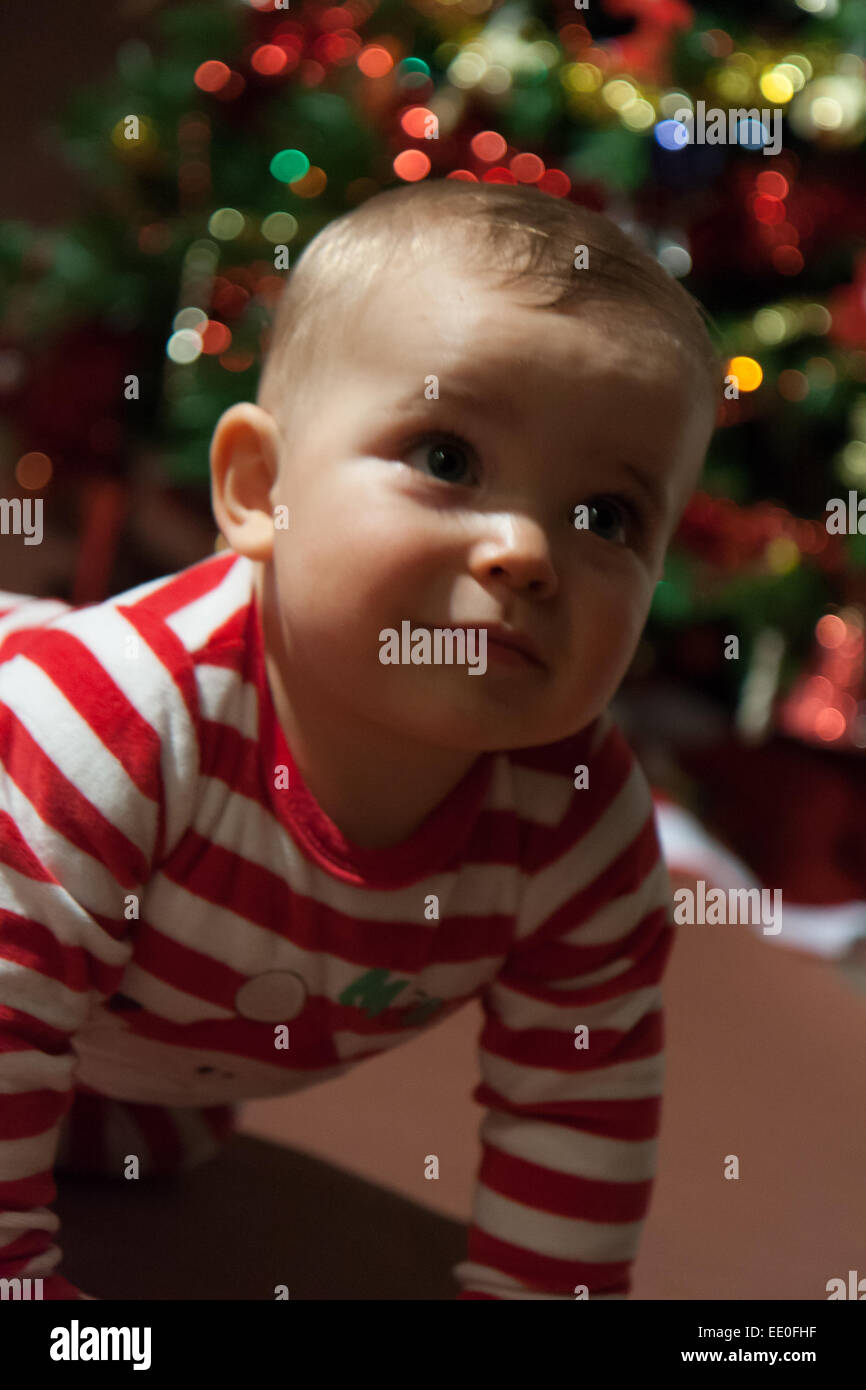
247,838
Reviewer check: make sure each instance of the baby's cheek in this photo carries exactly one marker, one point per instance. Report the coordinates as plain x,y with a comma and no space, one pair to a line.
615,623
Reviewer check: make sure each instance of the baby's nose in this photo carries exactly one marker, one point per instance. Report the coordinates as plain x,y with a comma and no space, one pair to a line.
518,553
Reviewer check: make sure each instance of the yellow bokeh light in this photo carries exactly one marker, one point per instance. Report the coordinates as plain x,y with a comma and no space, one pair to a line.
619,94
279,227
640,115
226,223
675,101
793,73
798,60
852,463
546,52
827,113
748,372
583,77
782,555
769,325
733,84
776,86
467,70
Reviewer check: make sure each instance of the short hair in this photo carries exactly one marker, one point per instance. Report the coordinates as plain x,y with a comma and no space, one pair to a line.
515,232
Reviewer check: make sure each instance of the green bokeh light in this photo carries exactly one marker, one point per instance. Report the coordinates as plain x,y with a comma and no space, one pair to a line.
289,165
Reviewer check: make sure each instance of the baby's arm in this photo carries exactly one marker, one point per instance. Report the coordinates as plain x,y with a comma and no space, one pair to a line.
86,759
569,1140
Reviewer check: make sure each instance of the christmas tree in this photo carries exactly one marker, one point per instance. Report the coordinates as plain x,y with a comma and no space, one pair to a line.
216,152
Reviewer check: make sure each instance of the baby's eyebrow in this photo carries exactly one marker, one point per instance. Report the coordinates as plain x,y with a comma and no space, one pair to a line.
496,403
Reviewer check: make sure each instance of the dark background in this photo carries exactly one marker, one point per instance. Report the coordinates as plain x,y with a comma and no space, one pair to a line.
50,49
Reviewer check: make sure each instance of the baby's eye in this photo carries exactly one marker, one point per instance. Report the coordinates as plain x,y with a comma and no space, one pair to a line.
606,515
448,457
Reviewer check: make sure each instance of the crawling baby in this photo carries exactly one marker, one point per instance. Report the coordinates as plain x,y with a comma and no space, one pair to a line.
268,817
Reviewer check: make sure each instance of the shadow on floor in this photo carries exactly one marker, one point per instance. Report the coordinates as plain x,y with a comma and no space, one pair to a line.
254,1217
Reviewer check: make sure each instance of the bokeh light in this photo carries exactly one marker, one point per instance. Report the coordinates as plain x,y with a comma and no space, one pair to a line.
226,224
748,372
192,318
279,228
830,630
526,168
289,165
215,338
411,165
311,184
211,76
33,471
183,347
417,120
375,61
488,145
269,59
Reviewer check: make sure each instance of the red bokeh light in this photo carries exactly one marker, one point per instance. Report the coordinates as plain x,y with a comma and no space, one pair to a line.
269,59
211,76
488,145
215,338
526,168
411,165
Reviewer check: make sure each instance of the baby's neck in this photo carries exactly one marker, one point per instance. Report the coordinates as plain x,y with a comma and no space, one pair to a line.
375,798
376,827
376,792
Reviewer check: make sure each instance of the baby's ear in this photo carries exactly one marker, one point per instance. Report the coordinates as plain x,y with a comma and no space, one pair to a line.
244,462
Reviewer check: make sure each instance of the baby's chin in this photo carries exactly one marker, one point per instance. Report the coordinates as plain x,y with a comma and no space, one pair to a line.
485,728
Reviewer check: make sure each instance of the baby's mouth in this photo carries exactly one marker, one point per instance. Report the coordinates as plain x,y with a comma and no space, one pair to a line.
507,646
507,639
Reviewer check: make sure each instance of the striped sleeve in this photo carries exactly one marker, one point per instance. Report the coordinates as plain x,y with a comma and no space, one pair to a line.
19,611
98,765
571,1052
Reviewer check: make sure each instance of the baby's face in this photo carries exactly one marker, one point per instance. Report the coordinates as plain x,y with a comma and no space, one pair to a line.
459,511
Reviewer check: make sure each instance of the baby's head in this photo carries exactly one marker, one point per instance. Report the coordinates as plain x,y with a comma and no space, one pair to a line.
454,369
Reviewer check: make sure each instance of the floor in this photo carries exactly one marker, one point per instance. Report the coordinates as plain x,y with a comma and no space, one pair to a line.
324,1192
